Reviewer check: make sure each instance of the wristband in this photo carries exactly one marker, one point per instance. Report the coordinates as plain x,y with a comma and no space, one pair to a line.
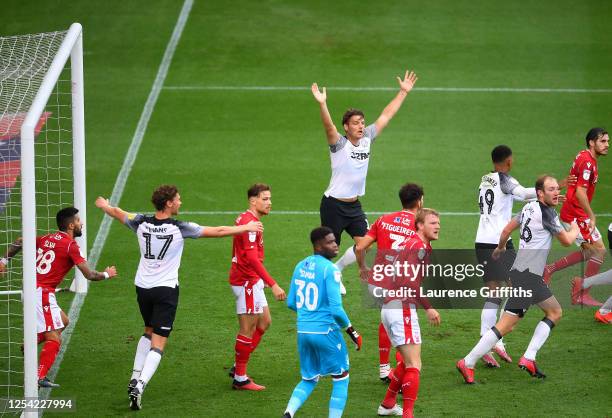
106,276
4,261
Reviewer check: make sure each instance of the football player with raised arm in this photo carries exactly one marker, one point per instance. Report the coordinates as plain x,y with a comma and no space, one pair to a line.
161,238
350,156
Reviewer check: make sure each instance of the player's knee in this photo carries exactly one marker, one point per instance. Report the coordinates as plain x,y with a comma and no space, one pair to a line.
264,323
53,336
413,364
555,314
162,331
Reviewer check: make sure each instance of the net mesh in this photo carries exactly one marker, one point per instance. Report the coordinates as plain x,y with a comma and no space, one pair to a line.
24,61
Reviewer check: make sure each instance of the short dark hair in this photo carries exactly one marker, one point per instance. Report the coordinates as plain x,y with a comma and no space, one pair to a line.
257,188
163,194
65,216
319,233
500,153
351,112
410,194
594,134
539,184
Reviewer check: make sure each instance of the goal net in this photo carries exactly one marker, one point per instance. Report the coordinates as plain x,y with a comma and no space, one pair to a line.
41,171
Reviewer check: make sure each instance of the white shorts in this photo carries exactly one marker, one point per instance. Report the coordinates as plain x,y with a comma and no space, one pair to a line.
585,235
401,323
48,313
250,298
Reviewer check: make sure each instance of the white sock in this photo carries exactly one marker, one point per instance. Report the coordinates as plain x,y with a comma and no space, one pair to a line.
348,258
143,348
240,378
488,317
598,279
607,307
540,335
487,341
150,366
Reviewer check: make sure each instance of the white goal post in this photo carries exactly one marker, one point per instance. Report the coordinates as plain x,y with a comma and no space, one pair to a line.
70,53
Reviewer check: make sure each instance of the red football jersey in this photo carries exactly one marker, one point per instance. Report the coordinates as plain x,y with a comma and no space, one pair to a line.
391,232
585,169
242,271
56,253
415,253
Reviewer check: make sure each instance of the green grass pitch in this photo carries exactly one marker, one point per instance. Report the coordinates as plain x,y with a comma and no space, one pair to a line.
213,144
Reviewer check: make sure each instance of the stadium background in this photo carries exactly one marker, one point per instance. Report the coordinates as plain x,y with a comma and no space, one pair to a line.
214,143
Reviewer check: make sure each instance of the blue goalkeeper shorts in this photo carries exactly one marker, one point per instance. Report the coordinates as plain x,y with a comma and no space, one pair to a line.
322,354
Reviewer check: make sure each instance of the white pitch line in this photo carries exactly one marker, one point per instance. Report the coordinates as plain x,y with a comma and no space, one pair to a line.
424,89
122,177
313,212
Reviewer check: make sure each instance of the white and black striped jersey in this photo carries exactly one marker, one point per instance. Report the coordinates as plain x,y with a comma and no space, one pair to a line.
539,223
161,247
495,200
349,164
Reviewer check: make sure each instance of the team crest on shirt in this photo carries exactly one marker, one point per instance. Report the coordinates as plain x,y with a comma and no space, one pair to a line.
337,276
586,174
252,236
421,253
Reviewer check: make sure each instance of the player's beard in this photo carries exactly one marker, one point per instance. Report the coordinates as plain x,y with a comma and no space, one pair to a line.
78,232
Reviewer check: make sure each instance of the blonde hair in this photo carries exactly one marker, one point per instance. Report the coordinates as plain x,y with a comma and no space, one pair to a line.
422,214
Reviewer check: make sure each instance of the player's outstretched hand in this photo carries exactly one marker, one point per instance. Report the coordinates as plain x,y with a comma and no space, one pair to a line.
355,337
2,268
433,317
278,292
364,273
111,271
255,226
319,96
102,202
408,82
562,198
592,223
570,180
497,252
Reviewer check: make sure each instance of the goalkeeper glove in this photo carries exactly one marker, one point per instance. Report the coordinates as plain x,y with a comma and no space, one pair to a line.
355,337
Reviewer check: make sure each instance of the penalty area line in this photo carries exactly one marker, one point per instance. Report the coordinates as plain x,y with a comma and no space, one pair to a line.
381,88
313,212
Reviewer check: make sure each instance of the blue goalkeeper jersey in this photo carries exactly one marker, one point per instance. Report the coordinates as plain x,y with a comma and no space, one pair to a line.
315,295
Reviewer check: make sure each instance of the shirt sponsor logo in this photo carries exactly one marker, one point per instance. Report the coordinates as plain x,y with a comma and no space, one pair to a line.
360,156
